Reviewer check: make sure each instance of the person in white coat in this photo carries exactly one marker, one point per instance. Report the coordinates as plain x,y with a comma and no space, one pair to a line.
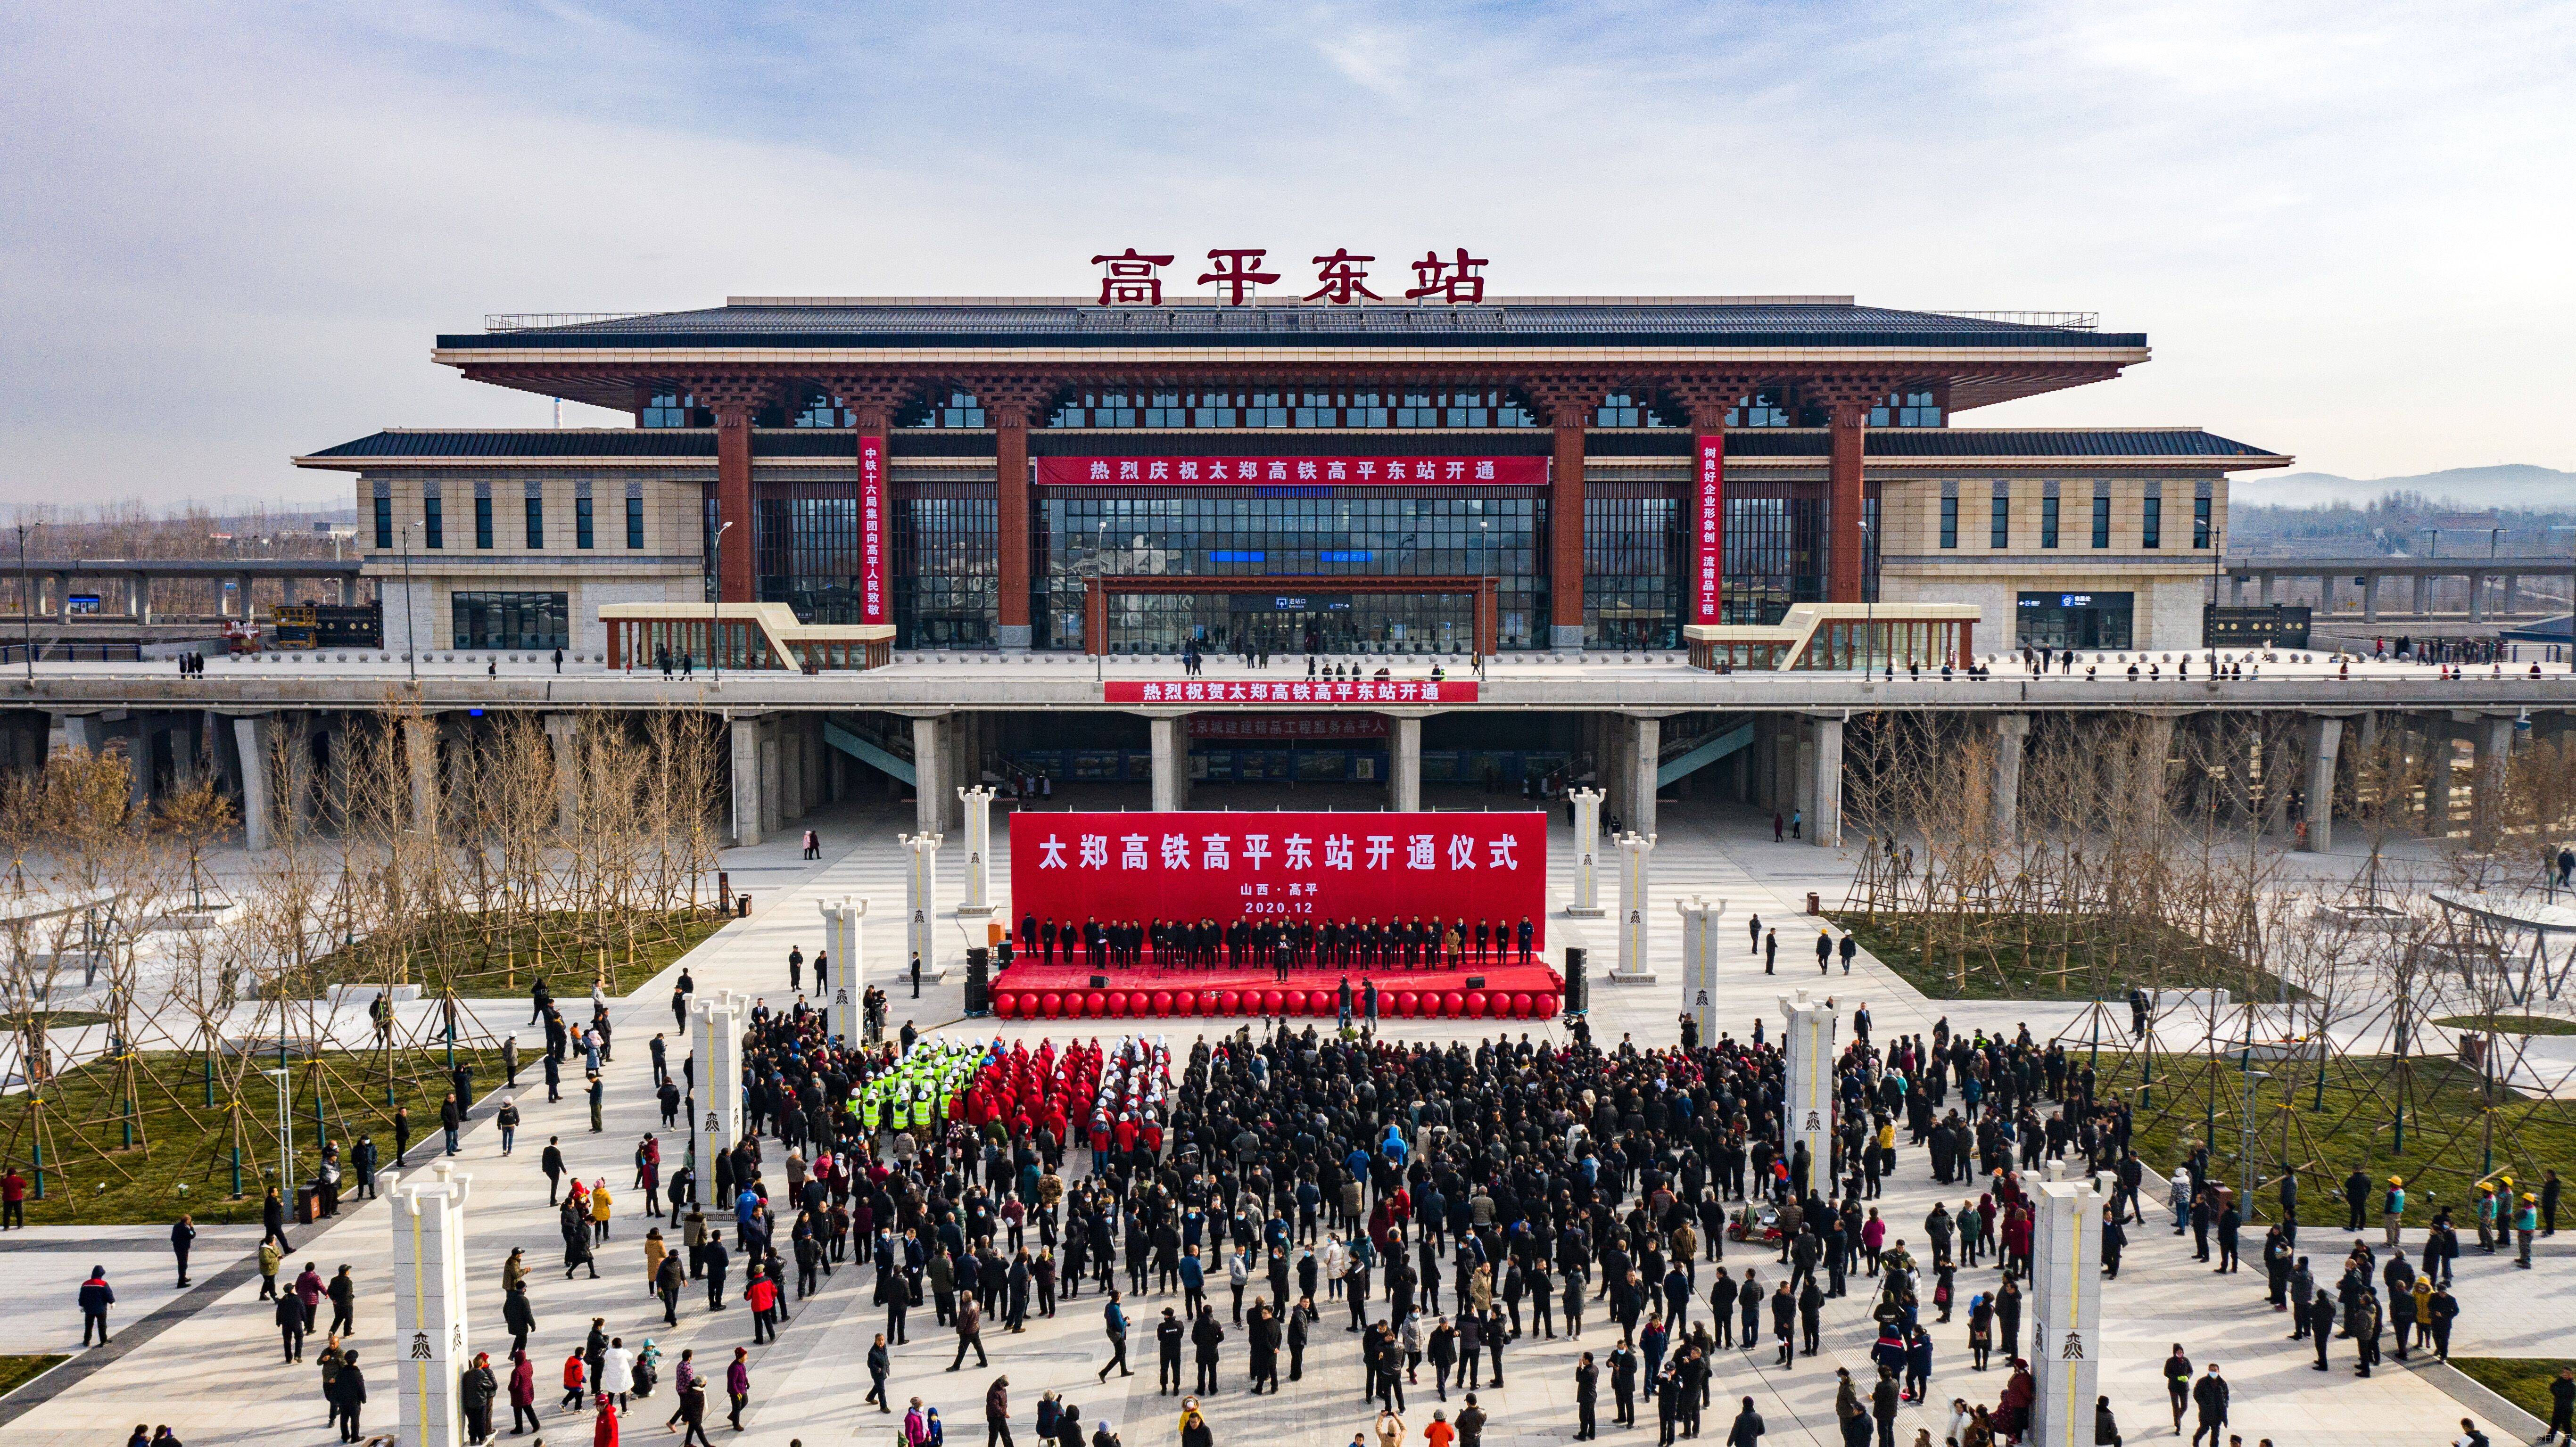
617,1372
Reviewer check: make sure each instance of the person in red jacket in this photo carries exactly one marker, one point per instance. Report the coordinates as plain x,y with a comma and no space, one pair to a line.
603,1428
762,1293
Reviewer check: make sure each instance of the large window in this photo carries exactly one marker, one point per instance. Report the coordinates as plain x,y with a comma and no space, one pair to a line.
1775,549
482,519
664,408
384,520
1766,408
1633,561
1906,409
635,524
1999,526
2073,620
2151,522
536,520
2200,523
2101,519
433,522
1253,533
1240,407
581,532
1950,521
2048,521
1623,409
511,620
947,568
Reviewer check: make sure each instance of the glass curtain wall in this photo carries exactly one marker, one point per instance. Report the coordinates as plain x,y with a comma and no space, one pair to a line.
1261,534
1633,555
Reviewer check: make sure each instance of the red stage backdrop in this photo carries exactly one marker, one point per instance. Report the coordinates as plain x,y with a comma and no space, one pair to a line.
1312,471
1358,691
1315,867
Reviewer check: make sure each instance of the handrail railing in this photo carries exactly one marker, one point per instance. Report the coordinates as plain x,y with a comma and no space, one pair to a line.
2063,321
528,321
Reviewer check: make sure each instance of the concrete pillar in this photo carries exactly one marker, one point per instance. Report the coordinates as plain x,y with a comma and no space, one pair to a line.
1636,963
773,814
2477,597
2512,593
746,780
2370,597
336,746
2438,755
1807,1109
2325,592
250,736
1404,759
2236,589
1171,771
841,944
791,768
1586,903
1645,756
420,751
716,1024
183,752
2154,762
561,732
2495,751
1700,920
82,731
921,902
2419,595
2065,1308
929,777
349,592
2012,740
431,1345
1825,821
2268,580
296,785
138,597
138,762
2325,735
976,807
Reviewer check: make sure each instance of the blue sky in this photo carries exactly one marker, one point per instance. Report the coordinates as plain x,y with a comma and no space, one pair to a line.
233,231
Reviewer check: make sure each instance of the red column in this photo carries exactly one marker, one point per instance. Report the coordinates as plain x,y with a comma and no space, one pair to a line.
1011,516
733,501
1850,433
1565,526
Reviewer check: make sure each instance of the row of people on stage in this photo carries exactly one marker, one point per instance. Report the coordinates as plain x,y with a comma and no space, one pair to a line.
1282,944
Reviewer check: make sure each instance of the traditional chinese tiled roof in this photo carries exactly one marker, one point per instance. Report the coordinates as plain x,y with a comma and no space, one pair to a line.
691,445
1064,323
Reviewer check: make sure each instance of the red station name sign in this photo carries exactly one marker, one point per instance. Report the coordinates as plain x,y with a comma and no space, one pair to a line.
1135,278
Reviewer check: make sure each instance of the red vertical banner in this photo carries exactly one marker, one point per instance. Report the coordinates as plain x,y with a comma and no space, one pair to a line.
872,531
1712,527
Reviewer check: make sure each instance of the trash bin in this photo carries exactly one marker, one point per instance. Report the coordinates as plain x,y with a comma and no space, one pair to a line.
1815,905
742,907
304,1205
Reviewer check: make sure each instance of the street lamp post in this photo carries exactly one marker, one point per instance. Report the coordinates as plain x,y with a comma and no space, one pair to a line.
411,611
26,603
715,611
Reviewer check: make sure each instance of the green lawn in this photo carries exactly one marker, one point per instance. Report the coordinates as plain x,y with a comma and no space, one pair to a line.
16,1372
2442,1163
2523,1381
486,956
2063,959
91,1176
53,1019
2510,1024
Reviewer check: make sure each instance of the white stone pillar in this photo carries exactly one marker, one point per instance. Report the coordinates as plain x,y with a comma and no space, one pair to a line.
2325,737
920,903
561,729
2065,1309
1808,1109
841,942
430,1342
1825,820
1404,764
1171,768
1587,854
977,805
1699,962
715,1042
250,735
928,775
1636,966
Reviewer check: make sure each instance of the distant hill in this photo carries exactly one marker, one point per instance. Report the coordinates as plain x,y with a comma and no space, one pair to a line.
2510,485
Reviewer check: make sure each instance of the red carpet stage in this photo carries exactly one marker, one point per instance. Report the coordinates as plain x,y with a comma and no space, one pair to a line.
1027,991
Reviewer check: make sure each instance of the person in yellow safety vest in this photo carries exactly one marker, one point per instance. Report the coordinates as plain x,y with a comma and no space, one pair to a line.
872,1109
902,1110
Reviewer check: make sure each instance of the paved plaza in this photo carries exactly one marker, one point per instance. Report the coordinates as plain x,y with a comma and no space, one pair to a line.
206,1360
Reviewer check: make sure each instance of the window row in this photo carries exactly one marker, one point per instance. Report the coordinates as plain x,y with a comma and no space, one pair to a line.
2151,525
430,530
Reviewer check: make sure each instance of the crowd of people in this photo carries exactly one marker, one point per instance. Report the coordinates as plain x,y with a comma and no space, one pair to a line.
1263,942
